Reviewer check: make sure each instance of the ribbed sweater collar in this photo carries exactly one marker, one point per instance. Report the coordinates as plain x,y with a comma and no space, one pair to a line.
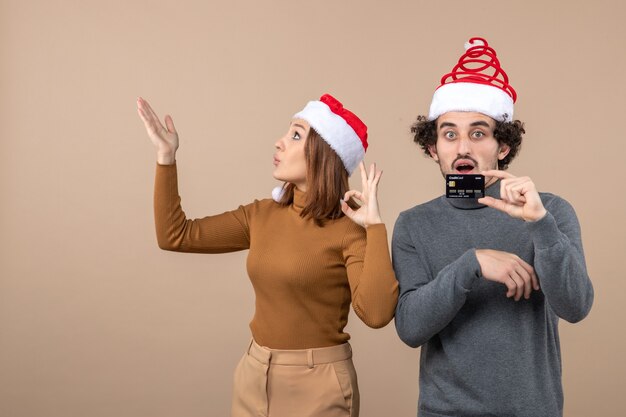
472,203
299,200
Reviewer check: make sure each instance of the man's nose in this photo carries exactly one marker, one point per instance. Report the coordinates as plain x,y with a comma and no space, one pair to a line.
464,146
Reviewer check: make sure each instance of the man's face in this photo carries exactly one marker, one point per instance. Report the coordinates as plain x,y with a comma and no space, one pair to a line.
466,145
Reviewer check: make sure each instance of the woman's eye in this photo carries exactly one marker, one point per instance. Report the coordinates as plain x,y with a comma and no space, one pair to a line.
296,136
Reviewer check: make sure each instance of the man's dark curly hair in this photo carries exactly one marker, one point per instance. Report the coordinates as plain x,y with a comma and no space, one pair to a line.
509,133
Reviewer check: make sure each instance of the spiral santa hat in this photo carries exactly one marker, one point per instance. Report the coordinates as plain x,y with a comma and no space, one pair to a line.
477,83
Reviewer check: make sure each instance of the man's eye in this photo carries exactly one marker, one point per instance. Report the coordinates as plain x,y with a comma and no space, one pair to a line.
449,135
296,136
478,134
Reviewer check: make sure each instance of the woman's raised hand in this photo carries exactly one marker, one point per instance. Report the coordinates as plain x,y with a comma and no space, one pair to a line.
368,213
164,138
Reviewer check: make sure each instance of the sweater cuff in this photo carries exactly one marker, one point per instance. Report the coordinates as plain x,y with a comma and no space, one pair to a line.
168,166
377,231
545,232
468,269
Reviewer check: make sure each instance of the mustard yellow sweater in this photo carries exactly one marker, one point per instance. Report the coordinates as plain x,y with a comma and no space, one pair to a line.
304,276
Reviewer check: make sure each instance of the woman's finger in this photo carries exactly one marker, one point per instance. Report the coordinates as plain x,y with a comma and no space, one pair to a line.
372,173
346,209
373,188
377,178
353,194
142,115
363,175
147,120
153,116
170,124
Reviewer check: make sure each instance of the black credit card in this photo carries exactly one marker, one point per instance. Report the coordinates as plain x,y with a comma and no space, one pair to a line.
465,186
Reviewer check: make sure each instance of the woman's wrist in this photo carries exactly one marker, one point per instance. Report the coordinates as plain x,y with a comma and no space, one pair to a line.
372,222
167,158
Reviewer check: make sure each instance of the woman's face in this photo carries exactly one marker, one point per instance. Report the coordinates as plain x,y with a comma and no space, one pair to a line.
289,160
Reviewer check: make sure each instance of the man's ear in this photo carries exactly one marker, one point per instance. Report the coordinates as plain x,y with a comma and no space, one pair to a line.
503,151
432,150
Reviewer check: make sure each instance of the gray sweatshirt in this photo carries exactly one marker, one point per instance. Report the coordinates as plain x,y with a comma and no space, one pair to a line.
484,354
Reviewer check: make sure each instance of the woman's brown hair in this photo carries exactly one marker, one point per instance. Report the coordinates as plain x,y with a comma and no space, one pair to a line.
327,181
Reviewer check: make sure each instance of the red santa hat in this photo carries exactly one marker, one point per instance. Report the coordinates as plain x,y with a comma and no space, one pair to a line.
339,127
477,83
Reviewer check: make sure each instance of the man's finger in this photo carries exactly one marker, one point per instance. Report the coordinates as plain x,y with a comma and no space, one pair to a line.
528,267
517,193
497,173
535,281
511,286
519,285
493,203
527,281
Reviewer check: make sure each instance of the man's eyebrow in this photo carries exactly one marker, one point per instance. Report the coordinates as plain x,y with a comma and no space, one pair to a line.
446,124
480,123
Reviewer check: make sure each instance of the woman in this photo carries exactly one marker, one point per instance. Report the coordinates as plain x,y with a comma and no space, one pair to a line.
310,256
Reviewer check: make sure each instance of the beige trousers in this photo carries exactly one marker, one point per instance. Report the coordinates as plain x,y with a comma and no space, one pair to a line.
296,383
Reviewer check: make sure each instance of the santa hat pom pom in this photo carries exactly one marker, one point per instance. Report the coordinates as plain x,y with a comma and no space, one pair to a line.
277,193
474,42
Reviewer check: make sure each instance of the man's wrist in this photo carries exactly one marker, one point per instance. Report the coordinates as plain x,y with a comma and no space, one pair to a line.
538,217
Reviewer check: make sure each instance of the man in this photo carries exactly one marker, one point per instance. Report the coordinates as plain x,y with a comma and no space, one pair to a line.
483,282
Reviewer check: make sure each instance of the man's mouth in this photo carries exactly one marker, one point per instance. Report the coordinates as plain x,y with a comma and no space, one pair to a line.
464,166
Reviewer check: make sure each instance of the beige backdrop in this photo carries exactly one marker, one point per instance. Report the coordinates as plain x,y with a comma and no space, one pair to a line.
96,321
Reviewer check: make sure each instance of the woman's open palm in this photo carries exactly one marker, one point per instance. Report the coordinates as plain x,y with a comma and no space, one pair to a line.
164,138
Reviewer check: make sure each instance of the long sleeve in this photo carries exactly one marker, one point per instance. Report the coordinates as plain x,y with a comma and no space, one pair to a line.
427,303
221,233
479,348
372,281
560,262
